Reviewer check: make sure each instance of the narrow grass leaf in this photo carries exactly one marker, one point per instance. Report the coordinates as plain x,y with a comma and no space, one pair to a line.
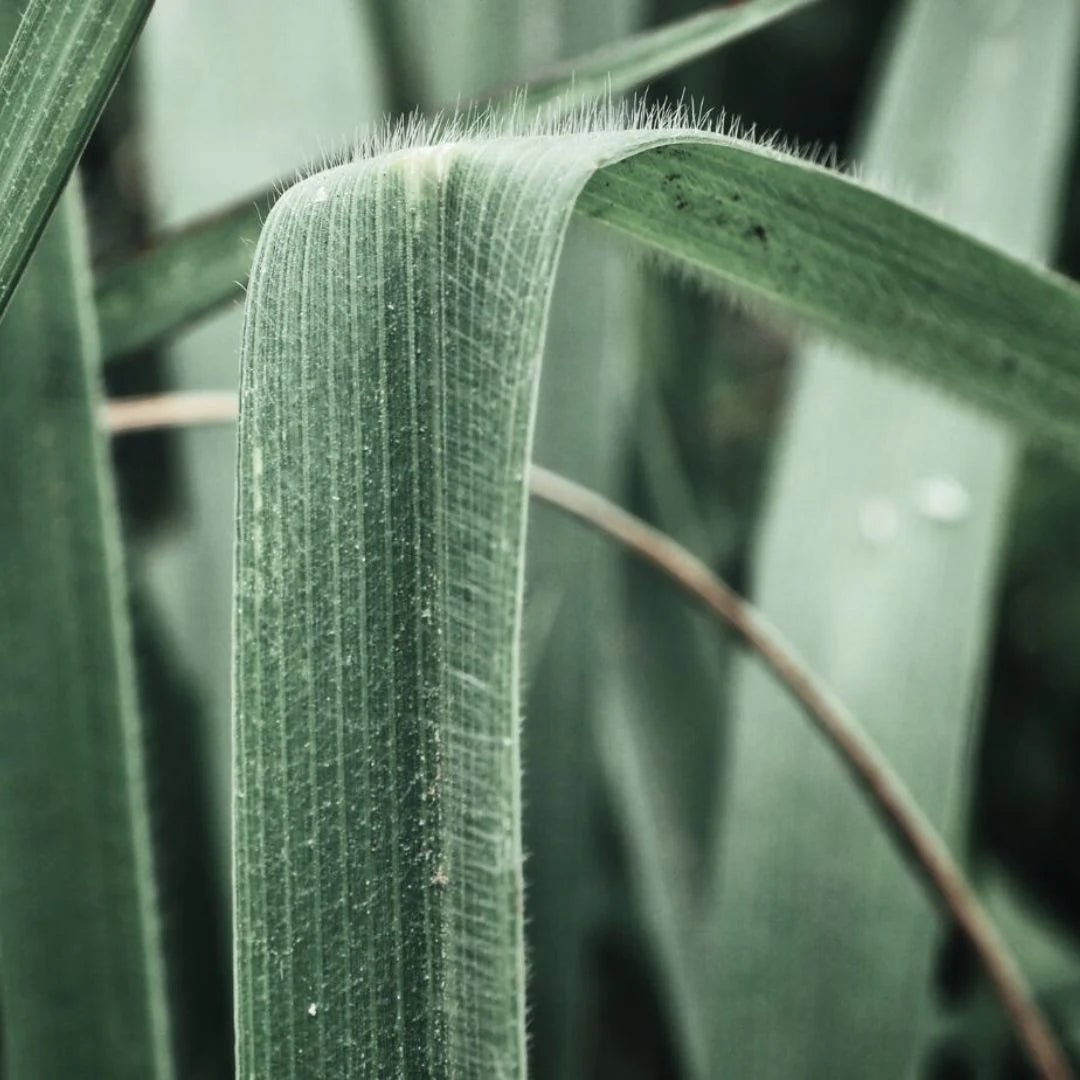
199,156
878,556
80,967
663,688
54,81
146,299
620,67
194,271
582,428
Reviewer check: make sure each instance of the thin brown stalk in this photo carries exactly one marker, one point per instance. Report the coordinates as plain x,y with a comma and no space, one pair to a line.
125,415
886,793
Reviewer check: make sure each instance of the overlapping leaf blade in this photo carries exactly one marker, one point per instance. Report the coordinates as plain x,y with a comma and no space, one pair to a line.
632,61
54,81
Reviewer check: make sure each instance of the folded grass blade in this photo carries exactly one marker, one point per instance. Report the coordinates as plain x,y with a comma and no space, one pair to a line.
54,81
394,328
80,967
149,297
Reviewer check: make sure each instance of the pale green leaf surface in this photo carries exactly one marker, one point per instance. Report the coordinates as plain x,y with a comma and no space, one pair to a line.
54,81
394,327
877,557
192,272
81,971
661,689
990,329
581,426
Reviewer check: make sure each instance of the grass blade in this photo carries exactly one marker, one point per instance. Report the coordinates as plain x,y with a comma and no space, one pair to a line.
888,592
192,272
658,732
582,428
861,267
381,519
55,79
199,156
148,298
81,968
620,67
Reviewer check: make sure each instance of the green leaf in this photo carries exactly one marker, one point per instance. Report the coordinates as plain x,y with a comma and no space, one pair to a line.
192,272
54,81
617,68
663,688
877,556
150,297
198,156
80,968
860,266
394,327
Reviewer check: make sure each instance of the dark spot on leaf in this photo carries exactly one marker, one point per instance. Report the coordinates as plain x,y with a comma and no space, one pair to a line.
736,197
672,177
680,203
759,232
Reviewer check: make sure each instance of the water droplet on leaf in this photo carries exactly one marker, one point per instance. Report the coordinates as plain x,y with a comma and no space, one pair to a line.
942,498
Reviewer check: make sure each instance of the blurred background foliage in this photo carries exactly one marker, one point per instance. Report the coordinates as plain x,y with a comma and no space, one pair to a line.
664,399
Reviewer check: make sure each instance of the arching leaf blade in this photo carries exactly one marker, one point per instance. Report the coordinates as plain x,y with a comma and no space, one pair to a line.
620,67
394,328
982,325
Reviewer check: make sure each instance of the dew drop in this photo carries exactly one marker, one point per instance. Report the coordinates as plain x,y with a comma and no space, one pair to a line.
942,498
313,1009
321,195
